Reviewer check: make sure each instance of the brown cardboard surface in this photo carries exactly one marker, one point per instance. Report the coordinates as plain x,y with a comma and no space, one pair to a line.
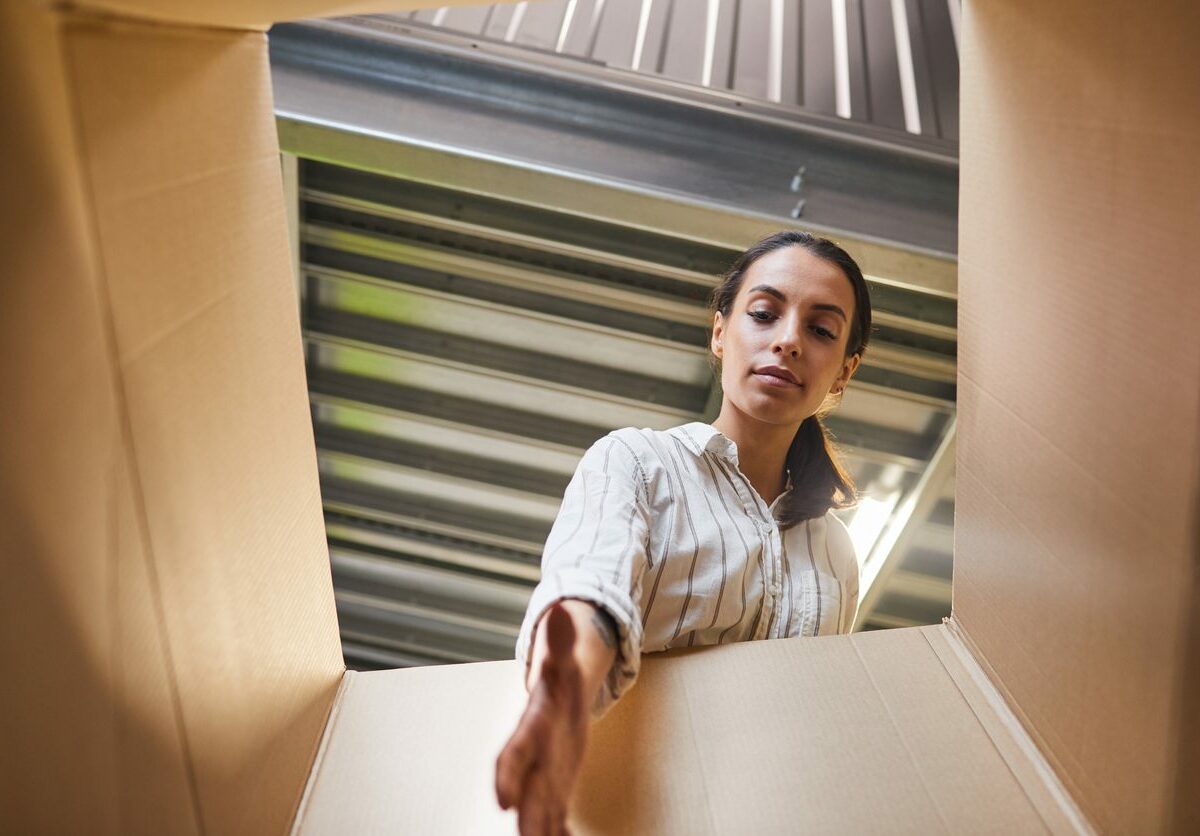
870,733
91,743
168,604
1186,811
178,144
1078,369
252,14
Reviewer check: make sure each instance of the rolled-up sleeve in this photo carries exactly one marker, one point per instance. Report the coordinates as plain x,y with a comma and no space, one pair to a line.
596,551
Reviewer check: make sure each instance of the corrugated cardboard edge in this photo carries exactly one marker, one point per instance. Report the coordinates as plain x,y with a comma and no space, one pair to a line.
1184,815
107,13
335,710
257,15
1029,766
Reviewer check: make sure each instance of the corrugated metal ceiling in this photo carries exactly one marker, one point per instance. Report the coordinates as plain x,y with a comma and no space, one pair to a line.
893,63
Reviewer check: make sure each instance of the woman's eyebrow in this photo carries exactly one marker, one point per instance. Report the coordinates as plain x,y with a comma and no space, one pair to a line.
766,288
835,308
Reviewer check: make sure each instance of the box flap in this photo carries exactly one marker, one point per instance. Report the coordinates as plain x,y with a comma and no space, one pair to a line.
87,699
251,14
172,612
1078,458
869,733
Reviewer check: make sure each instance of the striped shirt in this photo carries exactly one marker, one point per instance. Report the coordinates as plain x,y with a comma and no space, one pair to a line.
663,531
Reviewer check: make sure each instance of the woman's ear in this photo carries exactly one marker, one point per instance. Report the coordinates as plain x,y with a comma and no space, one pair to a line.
718,331
848,370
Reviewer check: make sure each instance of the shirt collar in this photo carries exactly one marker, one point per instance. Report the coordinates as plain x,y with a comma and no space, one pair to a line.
705,438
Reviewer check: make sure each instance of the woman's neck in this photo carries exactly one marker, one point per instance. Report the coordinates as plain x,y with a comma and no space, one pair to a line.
762,449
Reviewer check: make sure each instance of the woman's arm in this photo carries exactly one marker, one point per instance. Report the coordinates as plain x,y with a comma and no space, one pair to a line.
595,646
574,647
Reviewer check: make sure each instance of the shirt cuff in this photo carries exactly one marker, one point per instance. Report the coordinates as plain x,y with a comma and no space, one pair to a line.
580,583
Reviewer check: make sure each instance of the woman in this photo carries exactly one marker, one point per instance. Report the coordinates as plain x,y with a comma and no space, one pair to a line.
701,534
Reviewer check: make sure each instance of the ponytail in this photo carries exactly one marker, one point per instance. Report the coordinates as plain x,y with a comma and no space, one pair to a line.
819,482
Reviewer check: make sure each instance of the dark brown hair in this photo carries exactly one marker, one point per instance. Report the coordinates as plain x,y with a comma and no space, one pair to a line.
819,482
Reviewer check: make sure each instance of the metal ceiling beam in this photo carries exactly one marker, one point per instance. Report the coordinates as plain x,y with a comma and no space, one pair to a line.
515,327
440,586
440,434
499,547
504,236
459,548
523,277
451,377
371,473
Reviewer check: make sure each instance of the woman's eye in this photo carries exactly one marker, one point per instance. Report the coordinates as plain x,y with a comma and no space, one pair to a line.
761,316
824,332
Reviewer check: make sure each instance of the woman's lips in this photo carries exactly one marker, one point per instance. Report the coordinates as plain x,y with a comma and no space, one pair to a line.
771,380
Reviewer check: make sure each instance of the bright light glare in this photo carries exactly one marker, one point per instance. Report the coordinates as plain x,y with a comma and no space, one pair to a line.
868,523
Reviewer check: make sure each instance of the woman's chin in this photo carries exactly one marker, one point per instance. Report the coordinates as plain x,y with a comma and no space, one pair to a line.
770,410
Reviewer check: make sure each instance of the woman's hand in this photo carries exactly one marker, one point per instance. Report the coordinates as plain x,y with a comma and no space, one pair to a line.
537,768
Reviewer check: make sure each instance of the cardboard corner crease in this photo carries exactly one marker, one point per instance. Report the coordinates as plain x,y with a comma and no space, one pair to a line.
169,636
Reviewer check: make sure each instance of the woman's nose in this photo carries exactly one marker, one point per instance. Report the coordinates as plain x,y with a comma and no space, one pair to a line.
787,341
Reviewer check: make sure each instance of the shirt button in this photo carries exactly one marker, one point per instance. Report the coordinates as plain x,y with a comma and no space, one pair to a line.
774,589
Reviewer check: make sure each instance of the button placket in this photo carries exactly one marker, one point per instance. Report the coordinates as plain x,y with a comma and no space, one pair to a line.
775,583
770,606
771,582
760,515
771,587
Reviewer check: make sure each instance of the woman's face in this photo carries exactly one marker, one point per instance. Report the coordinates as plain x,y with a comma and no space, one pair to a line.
791,315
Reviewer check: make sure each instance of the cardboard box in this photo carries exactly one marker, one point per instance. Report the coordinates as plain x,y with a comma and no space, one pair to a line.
170,644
